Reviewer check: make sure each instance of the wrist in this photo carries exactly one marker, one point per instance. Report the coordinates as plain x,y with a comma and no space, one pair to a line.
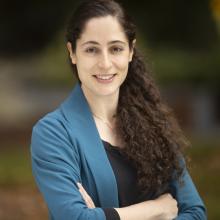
157,209
148,210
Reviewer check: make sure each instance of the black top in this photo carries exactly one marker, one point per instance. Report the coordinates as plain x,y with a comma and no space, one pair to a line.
126,180
126,177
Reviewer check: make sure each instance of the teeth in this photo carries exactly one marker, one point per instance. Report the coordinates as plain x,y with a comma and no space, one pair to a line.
105,77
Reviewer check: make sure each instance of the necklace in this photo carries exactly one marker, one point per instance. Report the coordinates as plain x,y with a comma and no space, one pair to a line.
105,122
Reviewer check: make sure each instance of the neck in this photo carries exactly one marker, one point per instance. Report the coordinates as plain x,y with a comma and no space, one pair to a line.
102,106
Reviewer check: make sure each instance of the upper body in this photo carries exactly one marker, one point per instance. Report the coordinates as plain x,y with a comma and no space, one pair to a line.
115,100
66,148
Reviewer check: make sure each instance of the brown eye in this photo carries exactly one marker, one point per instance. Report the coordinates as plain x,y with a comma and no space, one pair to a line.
91,50
117,49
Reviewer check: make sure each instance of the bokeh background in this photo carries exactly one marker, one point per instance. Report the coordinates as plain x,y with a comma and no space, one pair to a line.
181,39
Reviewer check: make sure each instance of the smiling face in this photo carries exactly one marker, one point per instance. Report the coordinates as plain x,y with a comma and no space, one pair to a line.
102,56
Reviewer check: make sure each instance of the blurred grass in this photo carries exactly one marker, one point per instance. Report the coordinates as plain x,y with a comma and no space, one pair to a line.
15,171
15,167
205,169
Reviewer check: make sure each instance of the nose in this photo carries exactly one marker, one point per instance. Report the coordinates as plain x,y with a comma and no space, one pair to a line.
105,61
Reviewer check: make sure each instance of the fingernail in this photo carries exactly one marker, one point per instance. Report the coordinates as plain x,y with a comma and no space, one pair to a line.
78,184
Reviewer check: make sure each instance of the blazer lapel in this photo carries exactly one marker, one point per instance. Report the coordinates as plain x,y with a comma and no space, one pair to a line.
77,112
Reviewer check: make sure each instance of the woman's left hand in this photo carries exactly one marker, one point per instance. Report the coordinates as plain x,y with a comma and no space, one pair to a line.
86,196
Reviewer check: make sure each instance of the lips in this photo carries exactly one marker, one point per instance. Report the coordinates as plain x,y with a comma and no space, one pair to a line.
104,76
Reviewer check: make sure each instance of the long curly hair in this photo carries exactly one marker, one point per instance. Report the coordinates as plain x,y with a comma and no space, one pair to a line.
154,143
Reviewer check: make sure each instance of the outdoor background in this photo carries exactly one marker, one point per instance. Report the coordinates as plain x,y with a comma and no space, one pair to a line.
181,39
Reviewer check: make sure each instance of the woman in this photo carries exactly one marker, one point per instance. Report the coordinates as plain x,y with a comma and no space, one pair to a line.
112,150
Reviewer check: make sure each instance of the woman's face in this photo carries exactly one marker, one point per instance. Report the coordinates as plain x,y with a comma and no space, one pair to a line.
102,56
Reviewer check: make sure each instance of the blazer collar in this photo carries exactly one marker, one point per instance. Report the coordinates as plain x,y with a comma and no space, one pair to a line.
77,112
76,104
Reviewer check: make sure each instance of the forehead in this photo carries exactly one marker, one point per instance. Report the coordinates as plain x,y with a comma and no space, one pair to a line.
103,29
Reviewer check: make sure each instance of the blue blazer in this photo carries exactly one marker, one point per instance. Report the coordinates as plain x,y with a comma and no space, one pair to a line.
66,148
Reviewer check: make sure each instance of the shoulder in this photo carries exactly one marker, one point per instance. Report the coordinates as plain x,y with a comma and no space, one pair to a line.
51,135
51,122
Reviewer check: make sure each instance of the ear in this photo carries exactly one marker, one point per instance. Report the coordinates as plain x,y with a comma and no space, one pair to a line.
132,50
71,53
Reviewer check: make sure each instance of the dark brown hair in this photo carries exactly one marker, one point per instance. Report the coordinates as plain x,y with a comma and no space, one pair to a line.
153,140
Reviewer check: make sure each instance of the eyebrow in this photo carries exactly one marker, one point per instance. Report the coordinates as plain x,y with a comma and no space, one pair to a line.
96,43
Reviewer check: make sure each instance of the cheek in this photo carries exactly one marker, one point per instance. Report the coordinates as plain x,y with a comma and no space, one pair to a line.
122,63
85,67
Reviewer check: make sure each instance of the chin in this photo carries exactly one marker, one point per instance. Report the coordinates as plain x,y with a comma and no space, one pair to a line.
107,92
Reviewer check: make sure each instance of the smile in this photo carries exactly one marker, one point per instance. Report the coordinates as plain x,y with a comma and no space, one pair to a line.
105,78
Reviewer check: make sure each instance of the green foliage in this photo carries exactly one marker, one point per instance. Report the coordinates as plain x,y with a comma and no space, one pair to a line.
190,67
15,167
53,66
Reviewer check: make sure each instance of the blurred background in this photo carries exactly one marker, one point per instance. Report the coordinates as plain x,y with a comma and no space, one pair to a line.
180,38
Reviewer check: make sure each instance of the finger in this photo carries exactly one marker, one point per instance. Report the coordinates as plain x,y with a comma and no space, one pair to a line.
88,200
85,196
81,191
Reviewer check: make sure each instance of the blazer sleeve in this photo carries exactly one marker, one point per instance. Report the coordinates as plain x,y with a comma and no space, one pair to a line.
56,168
191,206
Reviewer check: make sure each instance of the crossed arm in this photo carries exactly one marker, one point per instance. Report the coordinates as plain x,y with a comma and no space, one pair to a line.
164,208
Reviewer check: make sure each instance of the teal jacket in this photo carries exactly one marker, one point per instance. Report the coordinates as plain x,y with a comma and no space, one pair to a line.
66,148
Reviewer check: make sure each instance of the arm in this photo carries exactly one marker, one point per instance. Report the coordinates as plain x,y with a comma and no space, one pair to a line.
190,205
162,208
55,165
